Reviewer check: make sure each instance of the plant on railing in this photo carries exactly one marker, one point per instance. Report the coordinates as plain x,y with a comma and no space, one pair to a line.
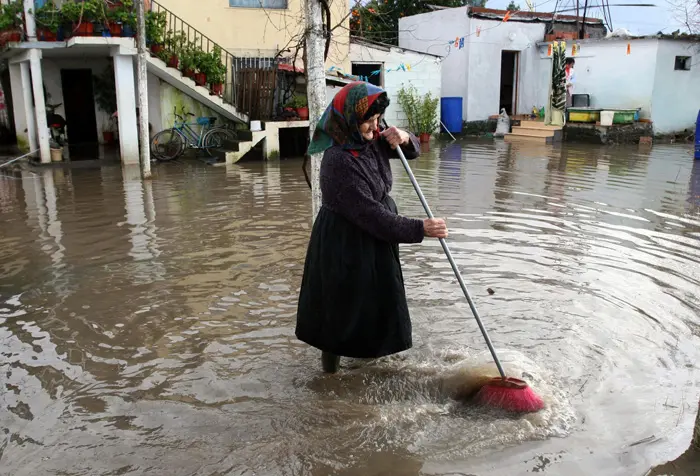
82,15
215,70
11,22
155,30
125,15
48,20
300,105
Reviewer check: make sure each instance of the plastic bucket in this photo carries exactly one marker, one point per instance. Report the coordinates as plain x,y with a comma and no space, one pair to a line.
451,114
606,118
255,126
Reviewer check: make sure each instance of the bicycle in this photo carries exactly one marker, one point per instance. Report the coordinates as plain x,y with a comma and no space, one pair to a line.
170,144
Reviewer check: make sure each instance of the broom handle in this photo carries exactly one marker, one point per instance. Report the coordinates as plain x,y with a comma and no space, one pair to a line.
452,262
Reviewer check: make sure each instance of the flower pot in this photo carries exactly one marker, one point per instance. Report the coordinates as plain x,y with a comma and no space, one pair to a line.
56,155
108,137
11,36
155,49
173,61
83,29
200,79
217,89
424,137
128,31
44,34
188,73
303,113
115,29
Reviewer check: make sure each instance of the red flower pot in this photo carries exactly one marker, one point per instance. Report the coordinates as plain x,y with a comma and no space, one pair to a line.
173,61
155,49
85,28
200,79
108,137
115,29
189,73
45,35
424,138
217,89
303,113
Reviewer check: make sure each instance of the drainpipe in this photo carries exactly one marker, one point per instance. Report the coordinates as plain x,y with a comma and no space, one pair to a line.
697,138
29,23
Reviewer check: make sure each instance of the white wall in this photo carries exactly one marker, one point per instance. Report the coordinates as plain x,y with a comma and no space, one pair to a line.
51,69
676,97
431,33
484,69
425,75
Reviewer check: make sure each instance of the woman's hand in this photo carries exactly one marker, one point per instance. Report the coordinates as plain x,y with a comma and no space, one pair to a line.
395,137
435,228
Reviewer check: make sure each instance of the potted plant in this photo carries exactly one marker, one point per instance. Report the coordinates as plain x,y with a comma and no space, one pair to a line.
155,30
427,117
189,59
216,74
127,17
48,21
80,16
300,105
11,21
106,99
174,44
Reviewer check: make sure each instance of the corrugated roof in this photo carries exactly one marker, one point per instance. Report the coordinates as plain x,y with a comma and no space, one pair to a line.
386,47
522,16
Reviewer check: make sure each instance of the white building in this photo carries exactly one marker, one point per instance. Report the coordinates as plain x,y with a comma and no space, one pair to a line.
494,64
392,68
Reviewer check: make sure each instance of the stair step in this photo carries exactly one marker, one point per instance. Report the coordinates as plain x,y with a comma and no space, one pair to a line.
538,126
516,136
244,135
534,132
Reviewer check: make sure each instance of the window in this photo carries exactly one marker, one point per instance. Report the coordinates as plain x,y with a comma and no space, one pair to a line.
682,63
272,4
370,72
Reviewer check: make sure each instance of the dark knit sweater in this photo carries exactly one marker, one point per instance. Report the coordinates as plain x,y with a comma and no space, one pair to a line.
355,187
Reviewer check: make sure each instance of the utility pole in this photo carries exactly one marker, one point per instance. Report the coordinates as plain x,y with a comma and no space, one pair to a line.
315,88
142,90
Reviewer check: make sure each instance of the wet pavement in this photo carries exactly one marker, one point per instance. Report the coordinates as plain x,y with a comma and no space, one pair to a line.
148,327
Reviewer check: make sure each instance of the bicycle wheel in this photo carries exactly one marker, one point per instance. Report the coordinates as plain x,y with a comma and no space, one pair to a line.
214,139
167,145
229,134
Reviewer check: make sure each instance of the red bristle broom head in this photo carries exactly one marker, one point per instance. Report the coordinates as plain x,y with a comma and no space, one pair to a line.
510,394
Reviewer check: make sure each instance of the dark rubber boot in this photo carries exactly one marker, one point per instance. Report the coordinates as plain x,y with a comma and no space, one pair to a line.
330,362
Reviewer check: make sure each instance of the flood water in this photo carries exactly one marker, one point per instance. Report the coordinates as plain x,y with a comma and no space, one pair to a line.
148,327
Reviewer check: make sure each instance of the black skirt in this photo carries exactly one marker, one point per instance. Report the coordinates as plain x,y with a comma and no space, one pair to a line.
352,301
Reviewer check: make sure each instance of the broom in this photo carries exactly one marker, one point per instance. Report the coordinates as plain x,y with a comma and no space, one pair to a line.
507,393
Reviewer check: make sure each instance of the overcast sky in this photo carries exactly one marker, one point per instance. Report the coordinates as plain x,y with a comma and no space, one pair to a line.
638,20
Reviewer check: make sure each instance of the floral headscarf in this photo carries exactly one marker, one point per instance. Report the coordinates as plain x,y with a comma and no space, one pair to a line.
339,124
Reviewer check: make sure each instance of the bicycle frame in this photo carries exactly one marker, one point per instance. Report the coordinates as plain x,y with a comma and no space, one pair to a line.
193,140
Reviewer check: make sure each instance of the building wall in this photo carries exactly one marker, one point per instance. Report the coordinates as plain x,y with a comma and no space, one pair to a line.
611,77
474,72
484,68
425,75
51,71
258,32
676,96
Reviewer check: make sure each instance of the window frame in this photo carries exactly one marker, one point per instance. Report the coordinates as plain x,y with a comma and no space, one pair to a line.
685,62
257,4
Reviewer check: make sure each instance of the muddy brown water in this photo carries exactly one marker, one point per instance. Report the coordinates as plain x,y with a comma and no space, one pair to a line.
148,327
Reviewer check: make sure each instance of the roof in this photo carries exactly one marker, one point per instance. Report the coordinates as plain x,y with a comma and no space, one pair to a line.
523,16
386,47
659,36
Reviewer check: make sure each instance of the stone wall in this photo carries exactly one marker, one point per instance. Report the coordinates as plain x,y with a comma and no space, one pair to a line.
608,135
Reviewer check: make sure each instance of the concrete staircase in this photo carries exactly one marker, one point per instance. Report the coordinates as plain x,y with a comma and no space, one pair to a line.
233,151
535,131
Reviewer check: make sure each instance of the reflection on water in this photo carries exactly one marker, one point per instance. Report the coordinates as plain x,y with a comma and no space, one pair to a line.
147,327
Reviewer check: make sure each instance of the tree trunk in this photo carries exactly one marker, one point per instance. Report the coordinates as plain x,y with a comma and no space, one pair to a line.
315,89
142,90
696,433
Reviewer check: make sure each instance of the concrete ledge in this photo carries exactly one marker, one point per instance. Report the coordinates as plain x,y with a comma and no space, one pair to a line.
615,134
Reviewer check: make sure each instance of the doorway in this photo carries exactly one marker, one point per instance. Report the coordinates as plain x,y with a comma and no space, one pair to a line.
79,105
509,81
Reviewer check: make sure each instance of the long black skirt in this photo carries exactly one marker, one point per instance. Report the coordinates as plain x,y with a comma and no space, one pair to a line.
352,301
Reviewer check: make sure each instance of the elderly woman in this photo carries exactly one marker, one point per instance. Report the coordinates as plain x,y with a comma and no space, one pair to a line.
352,301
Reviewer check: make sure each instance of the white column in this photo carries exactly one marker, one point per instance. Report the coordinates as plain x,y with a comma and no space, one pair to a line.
19,111
29,24
126,108
40,106
30,121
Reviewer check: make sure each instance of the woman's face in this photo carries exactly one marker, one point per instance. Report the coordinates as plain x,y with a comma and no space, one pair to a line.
368,127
